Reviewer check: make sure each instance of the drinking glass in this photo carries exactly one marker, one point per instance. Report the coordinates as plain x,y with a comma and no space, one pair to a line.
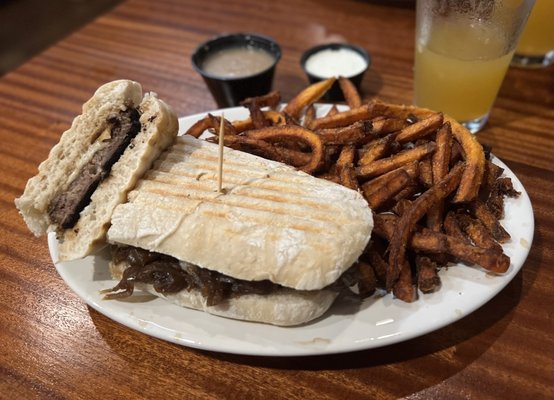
462,51
536,44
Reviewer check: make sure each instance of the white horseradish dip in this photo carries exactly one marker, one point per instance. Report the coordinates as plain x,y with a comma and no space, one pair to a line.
335,62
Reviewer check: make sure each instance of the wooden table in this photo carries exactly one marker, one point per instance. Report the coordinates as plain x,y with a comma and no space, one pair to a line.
53,346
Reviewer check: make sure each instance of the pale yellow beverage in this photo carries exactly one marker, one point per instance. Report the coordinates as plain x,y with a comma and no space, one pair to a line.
537,38
459,68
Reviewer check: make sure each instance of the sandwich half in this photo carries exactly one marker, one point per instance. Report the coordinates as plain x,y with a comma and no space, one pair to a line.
94,165
269,248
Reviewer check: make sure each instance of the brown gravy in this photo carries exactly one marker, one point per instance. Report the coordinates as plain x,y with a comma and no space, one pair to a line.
237,62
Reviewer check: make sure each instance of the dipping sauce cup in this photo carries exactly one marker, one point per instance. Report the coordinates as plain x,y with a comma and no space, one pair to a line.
462,52
237,66
335,59
536,44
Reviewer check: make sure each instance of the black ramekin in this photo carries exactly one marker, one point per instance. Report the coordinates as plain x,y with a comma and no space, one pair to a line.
335,93
230,91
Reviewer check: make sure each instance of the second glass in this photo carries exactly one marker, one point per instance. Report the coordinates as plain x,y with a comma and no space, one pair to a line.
462,52
536,44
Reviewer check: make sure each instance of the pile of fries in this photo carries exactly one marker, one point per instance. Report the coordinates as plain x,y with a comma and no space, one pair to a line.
436,196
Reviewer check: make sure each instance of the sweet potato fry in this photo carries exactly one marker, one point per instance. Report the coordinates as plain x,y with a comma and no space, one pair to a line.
343,118
404,112
210,122
271,99
441,157
274,117
412,169
242,125
267,150
310,115
388,164
420,129
502,187
428,280
293,132
477,232
350,92
410,189
490,260
456,154
481,212
440,166
289,120
377,149
292,157
375,257
426,172
367,283
406,224
331,154
258,147
401,206
346,156
403,287
257,115
408,192
434,242
383,126
452,228
347,177
491,174
472,149
358,132
475,163
308,96
345,167
378,195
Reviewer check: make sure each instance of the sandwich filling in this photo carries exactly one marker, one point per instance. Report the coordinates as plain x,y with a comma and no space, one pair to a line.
65,208
169,275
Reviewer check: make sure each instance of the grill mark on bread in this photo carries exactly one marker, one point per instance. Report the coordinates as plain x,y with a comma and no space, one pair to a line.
238,201
210,156
268,219
188,170
248,191
242,169
268,180
244,166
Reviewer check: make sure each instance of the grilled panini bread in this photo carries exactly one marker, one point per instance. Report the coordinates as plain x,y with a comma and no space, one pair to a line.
96,162
271,224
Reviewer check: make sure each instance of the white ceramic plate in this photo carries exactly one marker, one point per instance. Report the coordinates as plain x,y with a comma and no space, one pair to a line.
380,321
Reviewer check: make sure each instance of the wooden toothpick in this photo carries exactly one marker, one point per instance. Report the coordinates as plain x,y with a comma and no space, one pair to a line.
220,167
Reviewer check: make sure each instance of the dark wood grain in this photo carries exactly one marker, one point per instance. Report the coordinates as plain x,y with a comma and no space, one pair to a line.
53,346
